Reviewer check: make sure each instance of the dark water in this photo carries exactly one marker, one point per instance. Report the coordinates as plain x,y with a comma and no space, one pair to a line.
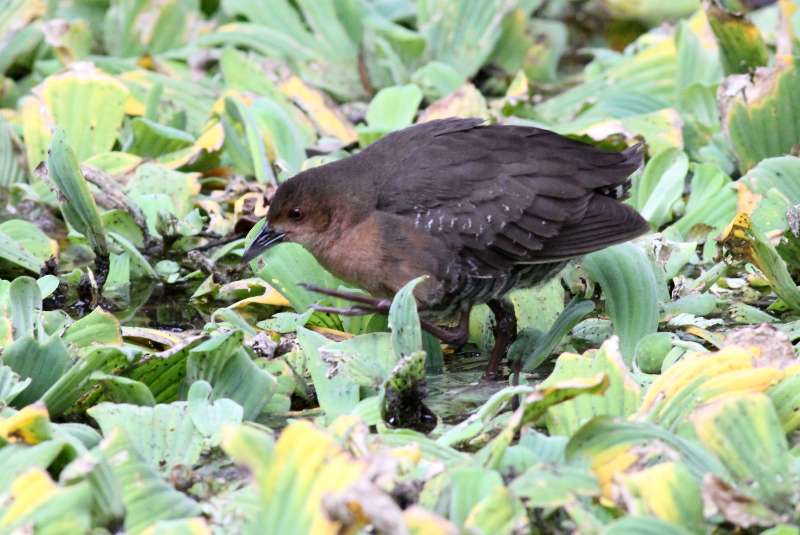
453,394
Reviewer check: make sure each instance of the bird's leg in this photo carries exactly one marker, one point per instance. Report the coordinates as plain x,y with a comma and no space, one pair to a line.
456,336
505,330
377,305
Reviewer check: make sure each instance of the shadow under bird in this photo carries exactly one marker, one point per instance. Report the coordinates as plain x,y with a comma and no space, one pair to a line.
479,209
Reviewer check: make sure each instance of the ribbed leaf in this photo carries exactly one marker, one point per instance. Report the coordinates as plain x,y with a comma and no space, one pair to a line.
147,497
759,114
630,290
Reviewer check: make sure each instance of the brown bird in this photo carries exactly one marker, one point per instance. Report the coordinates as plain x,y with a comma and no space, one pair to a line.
479,209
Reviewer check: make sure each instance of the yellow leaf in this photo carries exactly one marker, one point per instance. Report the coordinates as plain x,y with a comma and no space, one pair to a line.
466,101
37,123
28,491
31,425
667,491
271,296
740,381
693,369
305,464
609,463
326,118
423,522
746,200
210,140
134,106
187,526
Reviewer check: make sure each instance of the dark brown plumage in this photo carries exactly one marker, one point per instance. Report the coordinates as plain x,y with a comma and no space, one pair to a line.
481,209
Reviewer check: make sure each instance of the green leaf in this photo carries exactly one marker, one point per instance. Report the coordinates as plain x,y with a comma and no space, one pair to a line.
652,350
776,179
147,497
480,419
657,189
11,384
548,485
209,417
499,512
151,139
10,251
27,241
154,187
744,431
630,289
43,362
25,299
572,314
11,171
54,510
288,265
255,144
337,394
468,486
712,202
164,435
391,109
404,321
756,114
85,104
79,208
603,434
437,79
123,390
16,459
97,327
137,259
666,490
367,359
118,280
226,365
643,525
742,48
70,386
462,34
620,399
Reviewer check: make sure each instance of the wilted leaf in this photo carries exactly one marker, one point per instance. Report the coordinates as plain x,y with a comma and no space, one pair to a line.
744,241
753,116
741,46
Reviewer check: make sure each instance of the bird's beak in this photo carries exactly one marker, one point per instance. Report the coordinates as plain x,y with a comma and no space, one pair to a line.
265,239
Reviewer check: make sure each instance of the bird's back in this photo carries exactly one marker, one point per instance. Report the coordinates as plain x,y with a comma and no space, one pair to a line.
509,204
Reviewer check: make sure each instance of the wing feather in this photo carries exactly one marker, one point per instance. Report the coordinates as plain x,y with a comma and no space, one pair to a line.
505,195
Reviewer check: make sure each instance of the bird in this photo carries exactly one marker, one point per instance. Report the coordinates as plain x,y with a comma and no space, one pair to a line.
480,209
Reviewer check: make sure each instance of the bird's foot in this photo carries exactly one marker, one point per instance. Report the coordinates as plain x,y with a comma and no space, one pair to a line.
456,336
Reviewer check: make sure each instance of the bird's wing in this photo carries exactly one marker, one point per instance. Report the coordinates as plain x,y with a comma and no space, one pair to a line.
507,194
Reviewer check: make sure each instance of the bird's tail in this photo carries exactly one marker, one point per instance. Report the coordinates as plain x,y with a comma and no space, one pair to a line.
634,158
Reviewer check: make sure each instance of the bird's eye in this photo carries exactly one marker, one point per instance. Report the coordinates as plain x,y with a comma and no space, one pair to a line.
295,214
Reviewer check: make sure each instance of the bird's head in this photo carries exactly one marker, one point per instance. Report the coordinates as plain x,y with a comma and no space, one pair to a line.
304,209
